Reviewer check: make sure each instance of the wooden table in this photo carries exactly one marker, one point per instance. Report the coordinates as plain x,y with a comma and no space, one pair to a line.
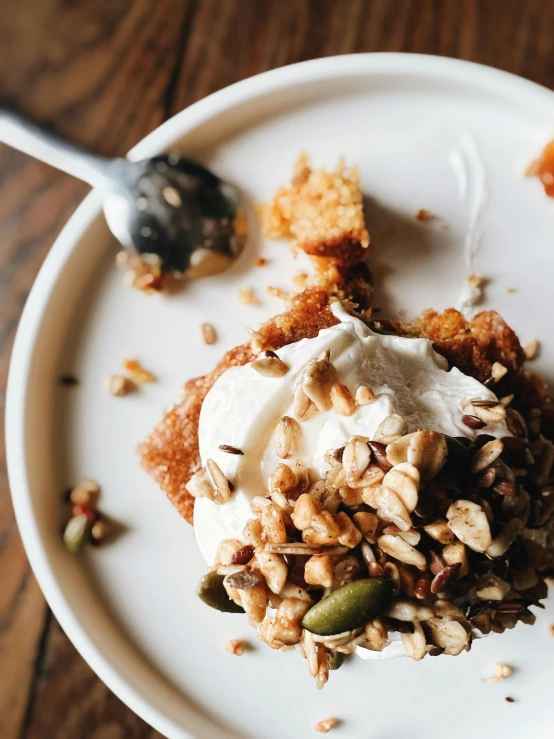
106,72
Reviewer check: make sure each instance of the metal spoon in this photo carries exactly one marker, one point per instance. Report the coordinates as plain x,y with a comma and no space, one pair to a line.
168,205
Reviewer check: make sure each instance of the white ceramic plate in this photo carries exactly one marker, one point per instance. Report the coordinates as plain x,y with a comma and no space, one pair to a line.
130,608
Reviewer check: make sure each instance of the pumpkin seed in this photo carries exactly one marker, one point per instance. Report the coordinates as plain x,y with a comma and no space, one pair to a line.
76,532
349,607
211,591
335,660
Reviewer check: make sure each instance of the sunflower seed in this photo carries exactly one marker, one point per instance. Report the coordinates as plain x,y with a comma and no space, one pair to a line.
531,348
287,437
364,395
316,380
390,429
498,371
400,549
342,399
443,578
488,454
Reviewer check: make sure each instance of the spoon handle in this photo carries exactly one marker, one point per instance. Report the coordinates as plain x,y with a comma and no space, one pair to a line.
22,133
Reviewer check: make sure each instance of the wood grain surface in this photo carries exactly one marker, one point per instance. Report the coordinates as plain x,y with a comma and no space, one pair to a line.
106,72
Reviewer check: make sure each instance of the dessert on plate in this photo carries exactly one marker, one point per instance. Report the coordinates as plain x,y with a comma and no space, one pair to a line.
361,485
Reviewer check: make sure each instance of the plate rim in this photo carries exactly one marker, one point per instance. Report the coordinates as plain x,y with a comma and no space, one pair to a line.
178,126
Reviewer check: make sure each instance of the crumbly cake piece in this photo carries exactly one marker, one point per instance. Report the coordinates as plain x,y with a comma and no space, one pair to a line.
323,214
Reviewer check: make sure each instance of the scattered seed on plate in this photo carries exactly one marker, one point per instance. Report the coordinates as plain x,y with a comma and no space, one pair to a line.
137,372
118,385
326,725
229,449
509,699
209,334
236,647
68,380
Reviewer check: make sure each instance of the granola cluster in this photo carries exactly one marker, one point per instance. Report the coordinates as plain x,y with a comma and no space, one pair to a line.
434,539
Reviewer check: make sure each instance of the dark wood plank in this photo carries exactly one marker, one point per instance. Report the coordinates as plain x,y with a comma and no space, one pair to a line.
106,73
100,72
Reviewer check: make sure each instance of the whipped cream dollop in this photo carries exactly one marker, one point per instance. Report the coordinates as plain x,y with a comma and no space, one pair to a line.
243,408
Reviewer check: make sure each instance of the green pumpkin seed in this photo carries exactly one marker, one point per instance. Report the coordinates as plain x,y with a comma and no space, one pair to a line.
335,660
76,532
349,607
212,592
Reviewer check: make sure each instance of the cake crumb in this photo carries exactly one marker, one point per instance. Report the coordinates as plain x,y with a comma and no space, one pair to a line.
236,647
118,385
531,348
512,290
424,215
550,629
500,671
261,262
137,373
277,292
326,724
209,335
247,296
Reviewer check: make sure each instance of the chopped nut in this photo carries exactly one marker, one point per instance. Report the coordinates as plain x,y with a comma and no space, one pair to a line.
342,399
286,626
209,335
273,524
273,569
287,437
500,672
349,536
439,531
388,505
138,374
118,385
318,570
364,395
448,634
317,378
100,530
326,725
270,365
367,523
282,480
236,647
247,296
498,371
531,348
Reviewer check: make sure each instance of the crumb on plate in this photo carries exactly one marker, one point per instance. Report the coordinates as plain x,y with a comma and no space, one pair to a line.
209,335
119,385
500,671
247,296
236,647
326,724
137,372
424,215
